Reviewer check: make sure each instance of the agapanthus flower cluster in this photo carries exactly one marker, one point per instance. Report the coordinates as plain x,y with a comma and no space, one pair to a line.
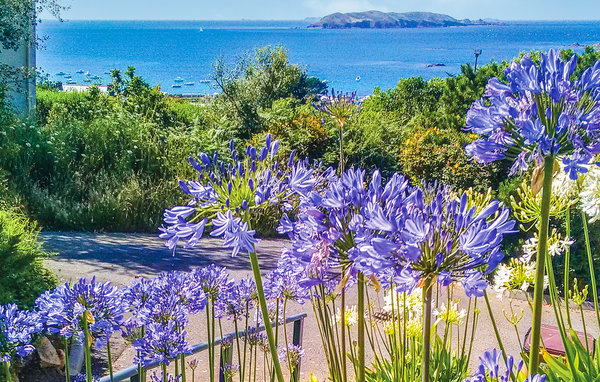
154,377
16,330
161,343
227,196
397,232
171,296
338,105
236,301
292,354
490,369
214,280
61,310
160,308
541,112
285,284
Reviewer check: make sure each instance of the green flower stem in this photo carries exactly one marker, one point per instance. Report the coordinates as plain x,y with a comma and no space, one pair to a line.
494,325
6,371
109,356
211,364
239,353
567,263
265,314
361,328
67,372
591,265
164,372
183,371
538,293
427,292
343,327
87,344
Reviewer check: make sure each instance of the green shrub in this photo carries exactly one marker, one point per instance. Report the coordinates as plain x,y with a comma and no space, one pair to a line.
22,273
435,154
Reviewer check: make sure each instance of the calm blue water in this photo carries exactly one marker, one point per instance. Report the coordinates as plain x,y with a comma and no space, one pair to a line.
164,50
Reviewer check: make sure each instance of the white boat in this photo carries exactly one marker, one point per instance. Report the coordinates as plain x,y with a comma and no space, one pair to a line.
204,81
87,80
80,71
200,30
176,86
87,73
60,73
189,84
178,79
108,73
71,82
357,78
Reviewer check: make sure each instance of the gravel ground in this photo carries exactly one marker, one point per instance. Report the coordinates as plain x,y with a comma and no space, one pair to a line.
122,257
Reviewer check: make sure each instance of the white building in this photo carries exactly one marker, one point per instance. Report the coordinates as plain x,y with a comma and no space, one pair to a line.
83,88
22,94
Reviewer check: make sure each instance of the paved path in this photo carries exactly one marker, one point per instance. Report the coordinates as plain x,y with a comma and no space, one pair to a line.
121,258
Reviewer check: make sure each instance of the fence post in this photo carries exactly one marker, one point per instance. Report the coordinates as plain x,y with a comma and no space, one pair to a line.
297,340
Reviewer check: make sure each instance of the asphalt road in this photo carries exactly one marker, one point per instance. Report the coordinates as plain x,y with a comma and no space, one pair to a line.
122,257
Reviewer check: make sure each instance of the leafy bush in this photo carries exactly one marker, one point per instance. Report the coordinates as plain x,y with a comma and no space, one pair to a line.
434,154
22,273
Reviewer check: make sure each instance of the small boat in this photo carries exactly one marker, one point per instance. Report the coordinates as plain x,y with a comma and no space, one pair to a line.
178,79
189,84
95,77
357,78
87,73
68,77
200,30
87,80
204,81
80,71
176,86
108,73
60,73
71,82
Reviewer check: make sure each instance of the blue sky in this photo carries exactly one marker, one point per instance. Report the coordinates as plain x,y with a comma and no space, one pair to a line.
299,9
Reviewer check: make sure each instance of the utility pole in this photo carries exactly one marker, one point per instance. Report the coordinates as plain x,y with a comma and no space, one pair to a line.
477,54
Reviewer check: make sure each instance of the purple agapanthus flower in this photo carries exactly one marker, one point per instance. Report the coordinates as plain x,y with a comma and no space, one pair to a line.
490,365
16,330
395,232
228,196
235,302
62,309
161,343
541,112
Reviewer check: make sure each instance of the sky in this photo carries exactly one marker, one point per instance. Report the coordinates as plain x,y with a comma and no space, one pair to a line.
300,9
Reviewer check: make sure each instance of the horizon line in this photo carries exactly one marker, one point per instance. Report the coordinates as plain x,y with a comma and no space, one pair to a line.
300,20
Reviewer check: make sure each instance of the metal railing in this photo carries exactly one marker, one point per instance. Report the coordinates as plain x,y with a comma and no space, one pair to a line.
131,373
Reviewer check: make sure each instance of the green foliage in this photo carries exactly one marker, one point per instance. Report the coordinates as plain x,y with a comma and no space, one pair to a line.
254,83
22,273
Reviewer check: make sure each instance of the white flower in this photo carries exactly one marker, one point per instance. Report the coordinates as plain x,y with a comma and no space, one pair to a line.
413,301
590,194
450,315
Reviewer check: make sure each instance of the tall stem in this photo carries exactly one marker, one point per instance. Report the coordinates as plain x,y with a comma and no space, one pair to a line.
427,291
265,313
67,372
87,344
110,366
567,263
6,371
361,328
591,265
538,293
343,328
211,348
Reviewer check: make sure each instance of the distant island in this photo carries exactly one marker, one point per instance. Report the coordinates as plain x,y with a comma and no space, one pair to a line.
377,19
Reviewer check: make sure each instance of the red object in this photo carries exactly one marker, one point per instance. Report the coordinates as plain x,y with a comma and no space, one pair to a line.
552,341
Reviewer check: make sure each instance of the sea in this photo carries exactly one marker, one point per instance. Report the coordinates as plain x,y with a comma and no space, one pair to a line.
179,55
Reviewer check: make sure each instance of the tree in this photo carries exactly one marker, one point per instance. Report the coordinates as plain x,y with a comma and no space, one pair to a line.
253,83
